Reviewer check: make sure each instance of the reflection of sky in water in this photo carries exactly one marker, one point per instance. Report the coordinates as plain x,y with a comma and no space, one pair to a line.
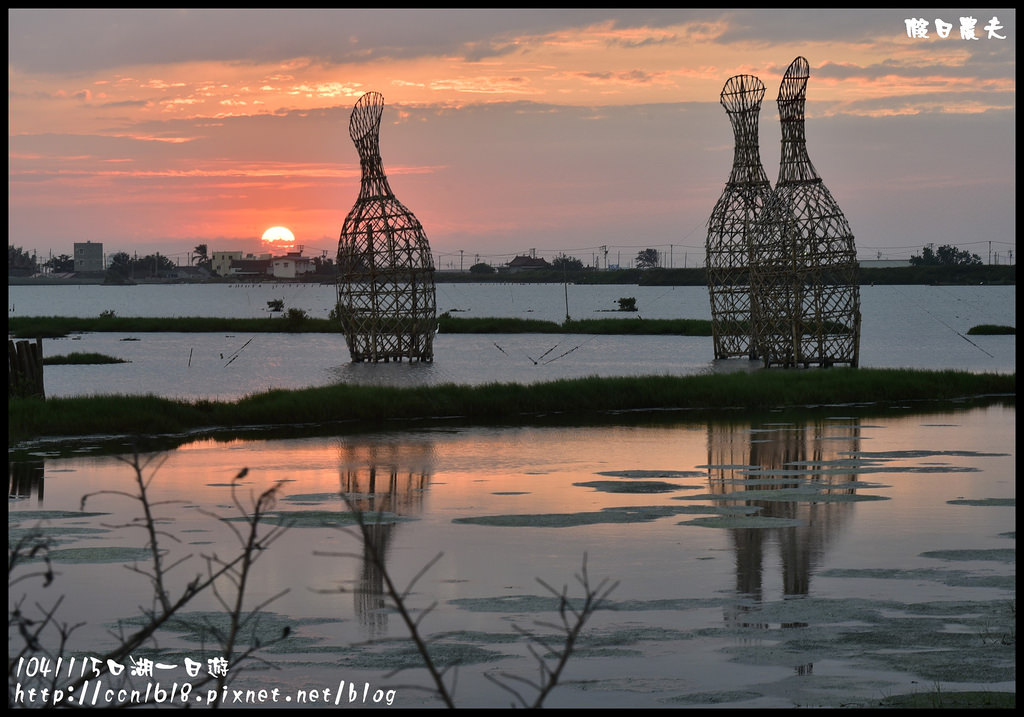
683,557
903,326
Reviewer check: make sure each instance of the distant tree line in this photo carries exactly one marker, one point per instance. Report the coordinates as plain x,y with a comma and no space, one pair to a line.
124,266
201,257
696,276
947,264
562,264
646,259
946,255
20,262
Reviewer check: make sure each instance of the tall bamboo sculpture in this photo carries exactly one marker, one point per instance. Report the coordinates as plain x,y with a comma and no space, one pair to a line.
386,295
806,297
735,221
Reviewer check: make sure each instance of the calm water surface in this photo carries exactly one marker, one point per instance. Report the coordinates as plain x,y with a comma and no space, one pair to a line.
770,562
903,327
775,561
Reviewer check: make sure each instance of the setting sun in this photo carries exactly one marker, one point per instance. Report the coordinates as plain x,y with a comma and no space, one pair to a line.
279,236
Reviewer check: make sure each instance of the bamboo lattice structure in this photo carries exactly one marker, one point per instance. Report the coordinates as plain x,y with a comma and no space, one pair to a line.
735,221
386,295
805,291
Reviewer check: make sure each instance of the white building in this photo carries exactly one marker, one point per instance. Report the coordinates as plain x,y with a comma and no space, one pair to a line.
291,265
251,265
88,256
220,263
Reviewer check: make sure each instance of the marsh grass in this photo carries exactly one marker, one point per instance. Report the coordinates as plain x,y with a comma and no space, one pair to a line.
58,326
81,358
940,699
992,330
607,326
297,321
363,407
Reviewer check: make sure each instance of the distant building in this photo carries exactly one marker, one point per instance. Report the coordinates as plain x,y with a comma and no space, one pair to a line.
251,265
522,263
192,273
221,261
88,256
235,264
883,263
290,265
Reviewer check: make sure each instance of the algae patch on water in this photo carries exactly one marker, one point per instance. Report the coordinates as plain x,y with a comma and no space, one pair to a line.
608,486
999,555
923,454
756,521
324,518
49,515
544,520
532,604
407,656
312,498
945,699
802,494
652,474
948,641
715,698
100,555
642,514
280,634
52,535
951,578
987,502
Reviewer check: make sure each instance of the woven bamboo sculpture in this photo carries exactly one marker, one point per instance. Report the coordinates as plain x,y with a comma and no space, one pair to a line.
386,295
805,292
735,221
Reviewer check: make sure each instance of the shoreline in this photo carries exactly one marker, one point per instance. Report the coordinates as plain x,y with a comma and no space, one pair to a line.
341,408
933,275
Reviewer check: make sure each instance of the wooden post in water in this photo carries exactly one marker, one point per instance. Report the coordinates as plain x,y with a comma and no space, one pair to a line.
25,374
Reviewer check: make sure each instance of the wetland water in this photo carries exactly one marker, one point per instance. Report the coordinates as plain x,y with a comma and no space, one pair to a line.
773,561
903,327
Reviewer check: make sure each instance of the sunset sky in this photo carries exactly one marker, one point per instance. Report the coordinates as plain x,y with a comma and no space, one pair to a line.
504,131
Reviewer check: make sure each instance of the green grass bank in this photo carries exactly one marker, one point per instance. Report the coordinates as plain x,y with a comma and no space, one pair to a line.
351,407
80,358
30,327
48,327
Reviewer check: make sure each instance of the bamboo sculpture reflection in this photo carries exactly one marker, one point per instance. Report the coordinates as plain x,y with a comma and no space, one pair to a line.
386,294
